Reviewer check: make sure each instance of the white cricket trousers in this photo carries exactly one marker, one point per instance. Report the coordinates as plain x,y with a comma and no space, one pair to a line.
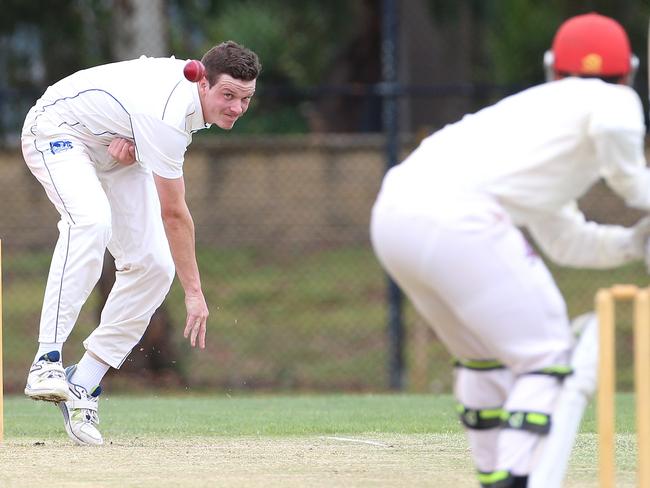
101,206
473,277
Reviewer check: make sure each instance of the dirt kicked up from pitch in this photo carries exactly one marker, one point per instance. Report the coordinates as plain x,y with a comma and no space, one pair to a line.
371,460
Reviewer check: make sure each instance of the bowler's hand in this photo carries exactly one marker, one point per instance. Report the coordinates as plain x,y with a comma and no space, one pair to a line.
122,151
197,317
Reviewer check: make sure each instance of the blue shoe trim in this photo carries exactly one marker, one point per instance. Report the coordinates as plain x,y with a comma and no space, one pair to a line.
69,371
52,356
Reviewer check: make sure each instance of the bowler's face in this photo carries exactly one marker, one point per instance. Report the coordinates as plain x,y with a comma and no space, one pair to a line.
225,101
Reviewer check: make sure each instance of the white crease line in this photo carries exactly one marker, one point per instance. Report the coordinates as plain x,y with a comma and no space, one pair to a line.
361,441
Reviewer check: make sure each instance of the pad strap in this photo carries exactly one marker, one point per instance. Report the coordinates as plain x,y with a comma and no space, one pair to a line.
536,422
480,419
478,364
495,479
559,372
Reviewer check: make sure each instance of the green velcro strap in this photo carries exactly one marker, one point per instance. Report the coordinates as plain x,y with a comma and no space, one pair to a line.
560,372
539,423
495,479
480,419
478,364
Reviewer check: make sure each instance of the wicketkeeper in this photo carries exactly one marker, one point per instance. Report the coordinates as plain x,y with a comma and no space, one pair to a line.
446,226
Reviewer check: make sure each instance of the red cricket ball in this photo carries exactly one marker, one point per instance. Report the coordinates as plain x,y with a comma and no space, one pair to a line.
194,70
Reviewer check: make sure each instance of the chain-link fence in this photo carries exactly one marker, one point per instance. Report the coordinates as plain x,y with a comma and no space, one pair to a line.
281,204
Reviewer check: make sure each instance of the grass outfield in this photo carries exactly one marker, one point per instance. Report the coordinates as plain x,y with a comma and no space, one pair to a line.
268,441
312,320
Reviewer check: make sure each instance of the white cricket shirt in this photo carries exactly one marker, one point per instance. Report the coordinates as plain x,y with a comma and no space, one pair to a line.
536,153
146,100
537,150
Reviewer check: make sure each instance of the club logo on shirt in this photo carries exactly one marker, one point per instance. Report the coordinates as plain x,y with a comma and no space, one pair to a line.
60,146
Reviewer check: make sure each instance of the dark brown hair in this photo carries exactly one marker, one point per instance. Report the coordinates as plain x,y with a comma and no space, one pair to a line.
232,59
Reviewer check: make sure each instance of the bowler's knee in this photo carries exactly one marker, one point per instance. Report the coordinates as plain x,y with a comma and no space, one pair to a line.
96,226
160,269
91,237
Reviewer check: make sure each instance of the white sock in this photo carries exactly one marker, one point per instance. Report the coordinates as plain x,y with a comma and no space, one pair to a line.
45,347
89,372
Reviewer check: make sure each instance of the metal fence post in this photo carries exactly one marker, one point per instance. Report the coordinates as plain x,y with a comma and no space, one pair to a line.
389,92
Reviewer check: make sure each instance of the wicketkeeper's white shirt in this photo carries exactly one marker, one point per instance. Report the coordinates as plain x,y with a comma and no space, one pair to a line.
146,100
536,153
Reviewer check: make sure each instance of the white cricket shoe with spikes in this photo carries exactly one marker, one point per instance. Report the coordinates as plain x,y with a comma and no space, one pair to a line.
46,380
80,413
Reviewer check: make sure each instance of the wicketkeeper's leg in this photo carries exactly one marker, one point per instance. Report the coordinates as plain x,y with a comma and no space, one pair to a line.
481,388
578,388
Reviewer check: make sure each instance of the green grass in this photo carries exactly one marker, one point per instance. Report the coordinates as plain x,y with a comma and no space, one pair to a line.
294,321
235,415
314,320
268,441
579,286
268,415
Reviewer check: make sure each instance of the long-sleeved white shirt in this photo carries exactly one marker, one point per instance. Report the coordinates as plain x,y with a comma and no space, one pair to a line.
146,100
536,153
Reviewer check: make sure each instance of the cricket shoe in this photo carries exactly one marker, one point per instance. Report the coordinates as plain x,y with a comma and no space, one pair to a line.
80,413
46,380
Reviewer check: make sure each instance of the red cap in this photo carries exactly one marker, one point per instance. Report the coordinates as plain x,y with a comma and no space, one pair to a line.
591,44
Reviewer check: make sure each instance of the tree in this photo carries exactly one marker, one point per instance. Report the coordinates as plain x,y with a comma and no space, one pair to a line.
140,29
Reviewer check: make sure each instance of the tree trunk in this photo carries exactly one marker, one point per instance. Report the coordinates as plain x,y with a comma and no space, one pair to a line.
140,28
357,66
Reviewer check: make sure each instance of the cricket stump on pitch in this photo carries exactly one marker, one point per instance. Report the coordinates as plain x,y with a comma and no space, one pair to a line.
2,407
606,299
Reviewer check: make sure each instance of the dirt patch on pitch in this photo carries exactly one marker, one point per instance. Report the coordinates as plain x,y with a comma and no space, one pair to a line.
328,461
250,462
